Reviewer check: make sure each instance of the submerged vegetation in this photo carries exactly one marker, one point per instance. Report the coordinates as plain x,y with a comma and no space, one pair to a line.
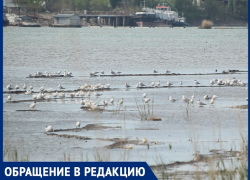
145,111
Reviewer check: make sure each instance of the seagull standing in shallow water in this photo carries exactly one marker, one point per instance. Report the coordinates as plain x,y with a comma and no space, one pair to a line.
169,83
196,82
60,87
185,99
118,72
191,100
111,100
31,87
9,87
78,124
121,101
48,128
126,85
24,87
16,87
171,99
33,104
212,101
9,97
206,97
146,100
200,103
55,94
166,71
112,72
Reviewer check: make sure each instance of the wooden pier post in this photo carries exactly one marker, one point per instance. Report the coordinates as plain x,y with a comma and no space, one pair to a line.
124,21
98,21
116,21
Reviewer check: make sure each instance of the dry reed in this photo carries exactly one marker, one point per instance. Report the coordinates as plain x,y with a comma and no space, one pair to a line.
206,24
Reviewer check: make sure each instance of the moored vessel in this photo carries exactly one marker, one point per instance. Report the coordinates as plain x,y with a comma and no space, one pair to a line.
162,16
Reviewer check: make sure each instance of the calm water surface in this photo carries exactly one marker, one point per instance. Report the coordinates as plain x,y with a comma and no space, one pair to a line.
129,50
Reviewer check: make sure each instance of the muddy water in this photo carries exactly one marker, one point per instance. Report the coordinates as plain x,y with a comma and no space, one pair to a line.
186,128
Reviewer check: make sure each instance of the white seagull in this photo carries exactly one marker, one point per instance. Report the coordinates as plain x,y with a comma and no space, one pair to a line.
41,88
60,87
111,100
126,85
112,72
61,95
214,96
69,73
16,87
181,83
171,99
9,87
82,102
24,87
54,94
146,100
206,97
78,124
141,84
212,101
48,128
192,100
88,93
27,92
200,103
196,82
33,104
118,72
169,83
31,87
9,97
166,71
121,101
185,99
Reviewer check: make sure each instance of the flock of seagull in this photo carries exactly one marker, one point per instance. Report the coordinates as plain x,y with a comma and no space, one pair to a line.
94,73
48,74
100,86
86,103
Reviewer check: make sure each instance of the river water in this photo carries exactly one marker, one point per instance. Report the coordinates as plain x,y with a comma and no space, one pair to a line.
184,128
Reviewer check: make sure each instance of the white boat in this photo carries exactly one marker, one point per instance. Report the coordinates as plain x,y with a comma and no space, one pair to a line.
29,24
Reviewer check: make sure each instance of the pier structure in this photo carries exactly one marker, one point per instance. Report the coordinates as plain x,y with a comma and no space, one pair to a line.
106,20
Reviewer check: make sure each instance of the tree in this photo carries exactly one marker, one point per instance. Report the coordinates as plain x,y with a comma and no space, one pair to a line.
53,5
114,3
31,5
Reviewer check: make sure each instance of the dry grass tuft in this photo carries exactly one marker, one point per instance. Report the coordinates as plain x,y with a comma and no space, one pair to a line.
206,24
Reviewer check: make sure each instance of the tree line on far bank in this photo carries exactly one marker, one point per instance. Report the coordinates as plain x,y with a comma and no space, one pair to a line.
205,9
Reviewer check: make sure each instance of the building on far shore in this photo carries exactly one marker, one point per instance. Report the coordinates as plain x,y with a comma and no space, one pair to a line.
66,20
